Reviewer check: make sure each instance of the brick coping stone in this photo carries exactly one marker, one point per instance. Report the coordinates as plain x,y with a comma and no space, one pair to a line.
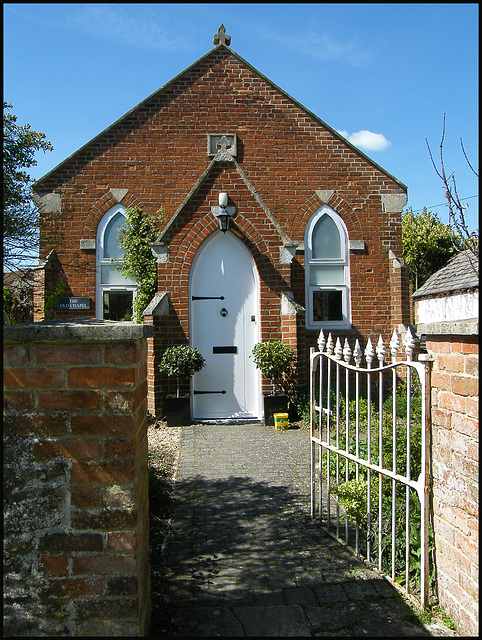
77,329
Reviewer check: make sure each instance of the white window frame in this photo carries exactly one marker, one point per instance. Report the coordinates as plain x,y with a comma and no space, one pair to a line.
101,261
311,262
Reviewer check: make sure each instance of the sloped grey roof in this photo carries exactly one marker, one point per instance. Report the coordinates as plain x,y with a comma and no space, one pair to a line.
460,272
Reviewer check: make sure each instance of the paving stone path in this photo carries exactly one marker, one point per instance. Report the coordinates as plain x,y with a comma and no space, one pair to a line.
244,557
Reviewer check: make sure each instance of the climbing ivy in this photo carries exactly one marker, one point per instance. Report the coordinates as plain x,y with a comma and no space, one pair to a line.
138,263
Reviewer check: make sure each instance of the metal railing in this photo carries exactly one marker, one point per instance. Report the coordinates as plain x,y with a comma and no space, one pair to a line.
370,438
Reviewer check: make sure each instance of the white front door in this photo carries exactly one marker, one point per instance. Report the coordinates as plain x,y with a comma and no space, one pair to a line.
224,325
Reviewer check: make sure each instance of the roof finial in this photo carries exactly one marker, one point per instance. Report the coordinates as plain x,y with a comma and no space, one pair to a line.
221,37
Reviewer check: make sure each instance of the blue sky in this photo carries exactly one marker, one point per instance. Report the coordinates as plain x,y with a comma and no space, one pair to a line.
382,74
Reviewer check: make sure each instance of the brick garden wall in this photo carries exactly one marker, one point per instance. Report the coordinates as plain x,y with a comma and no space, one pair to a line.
76,546
455,459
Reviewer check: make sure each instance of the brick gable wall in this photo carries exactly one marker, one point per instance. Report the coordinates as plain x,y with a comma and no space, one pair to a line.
158,154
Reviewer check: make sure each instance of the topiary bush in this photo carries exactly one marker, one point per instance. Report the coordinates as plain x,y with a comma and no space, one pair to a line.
274,359
181,362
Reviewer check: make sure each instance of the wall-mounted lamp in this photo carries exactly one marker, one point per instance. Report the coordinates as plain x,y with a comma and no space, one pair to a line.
223,199
223,212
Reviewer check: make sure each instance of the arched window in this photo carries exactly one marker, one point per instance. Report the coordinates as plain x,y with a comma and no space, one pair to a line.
114,292
327,273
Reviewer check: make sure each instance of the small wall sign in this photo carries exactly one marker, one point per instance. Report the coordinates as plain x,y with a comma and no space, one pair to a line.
73,303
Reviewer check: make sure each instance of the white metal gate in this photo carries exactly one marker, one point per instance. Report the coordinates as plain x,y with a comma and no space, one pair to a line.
370,454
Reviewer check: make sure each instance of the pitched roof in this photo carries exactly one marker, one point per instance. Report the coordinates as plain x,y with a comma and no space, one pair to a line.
179,76
461,272
22,276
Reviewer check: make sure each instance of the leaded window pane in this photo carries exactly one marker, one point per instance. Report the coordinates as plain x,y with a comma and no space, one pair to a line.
326,242
327,275
111,241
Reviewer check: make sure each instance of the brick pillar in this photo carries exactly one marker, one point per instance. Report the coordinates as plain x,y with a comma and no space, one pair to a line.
400,301
156,315
455,463
293,334
45,276
39,293
76,545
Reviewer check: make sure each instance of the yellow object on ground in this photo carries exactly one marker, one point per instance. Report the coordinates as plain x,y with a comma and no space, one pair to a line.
281,421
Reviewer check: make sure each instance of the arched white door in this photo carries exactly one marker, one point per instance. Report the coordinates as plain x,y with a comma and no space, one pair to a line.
224,326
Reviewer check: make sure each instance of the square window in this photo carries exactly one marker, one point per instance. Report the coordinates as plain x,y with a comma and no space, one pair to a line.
118,305
327,306
326,275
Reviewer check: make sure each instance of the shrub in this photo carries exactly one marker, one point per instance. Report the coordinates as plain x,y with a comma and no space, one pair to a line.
181,362
274,359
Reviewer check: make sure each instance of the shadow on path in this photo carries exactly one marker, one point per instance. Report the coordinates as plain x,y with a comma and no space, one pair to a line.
244,558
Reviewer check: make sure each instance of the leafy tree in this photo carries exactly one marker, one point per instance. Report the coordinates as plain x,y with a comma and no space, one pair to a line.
20,216
427,244
138,262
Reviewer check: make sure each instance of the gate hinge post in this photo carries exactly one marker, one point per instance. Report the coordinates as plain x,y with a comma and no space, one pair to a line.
427,360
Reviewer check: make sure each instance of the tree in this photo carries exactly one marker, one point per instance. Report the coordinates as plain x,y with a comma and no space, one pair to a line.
469,238
274,359
427,244
181,362
20,216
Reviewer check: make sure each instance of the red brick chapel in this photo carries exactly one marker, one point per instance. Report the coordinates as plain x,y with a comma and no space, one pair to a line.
275,227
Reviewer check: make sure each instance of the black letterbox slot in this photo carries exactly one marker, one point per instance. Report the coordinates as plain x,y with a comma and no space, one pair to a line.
225,349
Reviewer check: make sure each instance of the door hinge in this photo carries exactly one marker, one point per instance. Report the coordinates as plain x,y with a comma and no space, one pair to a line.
204,392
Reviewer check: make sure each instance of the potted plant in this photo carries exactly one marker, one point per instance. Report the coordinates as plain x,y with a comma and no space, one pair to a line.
274,359
180,362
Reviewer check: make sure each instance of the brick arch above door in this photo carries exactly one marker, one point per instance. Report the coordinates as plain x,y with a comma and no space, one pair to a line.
265,254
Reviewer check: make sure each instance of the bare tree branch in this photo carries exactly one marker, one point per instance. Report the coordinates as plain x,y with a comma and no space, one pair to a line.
467,160
457,219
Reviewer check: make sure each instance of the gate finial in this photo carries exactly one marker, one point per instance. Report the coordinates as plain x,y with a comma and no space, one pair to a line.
369,352
381,351
347,351
394,345
357,353
321,341
409,343
329,345
338,349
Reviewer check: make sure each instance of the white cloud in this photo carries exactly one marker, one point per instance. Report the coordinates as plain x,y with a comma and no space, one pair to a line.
367,140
